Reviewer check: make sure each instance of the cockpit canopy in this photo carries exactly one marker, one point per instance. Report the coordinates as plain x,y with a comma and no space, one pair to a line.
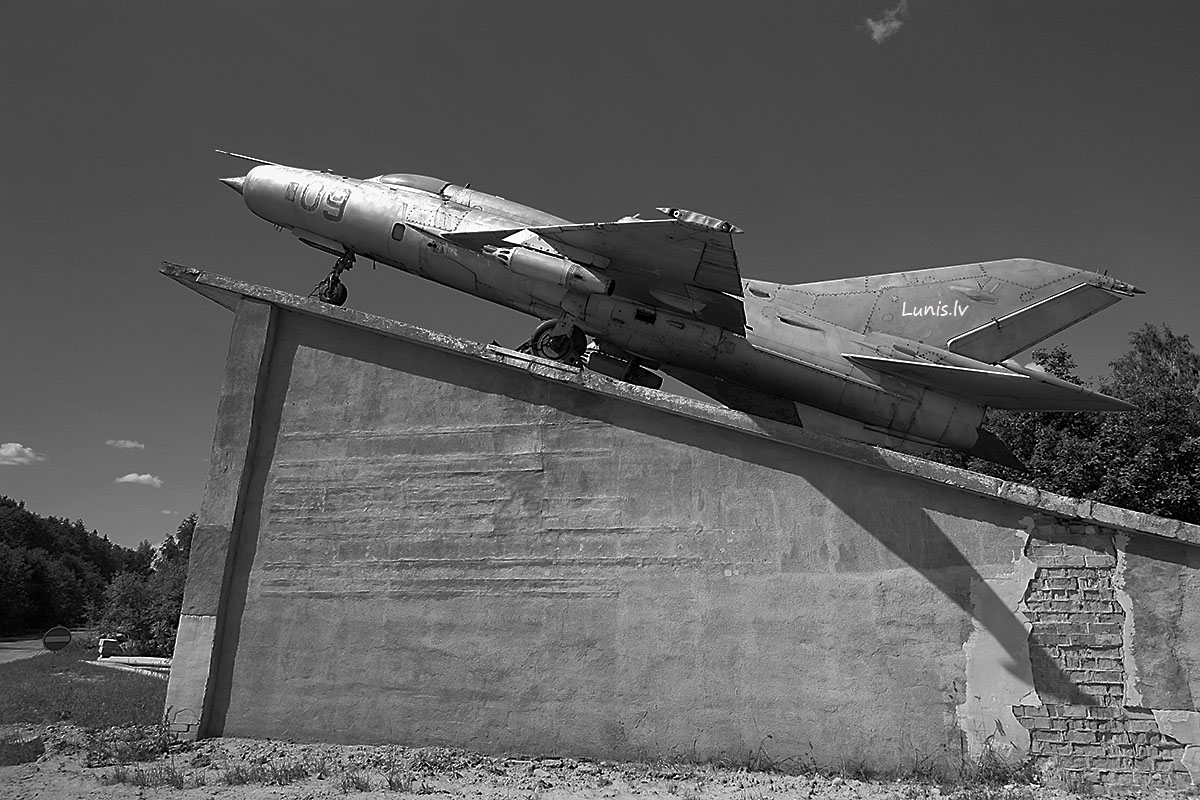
422,182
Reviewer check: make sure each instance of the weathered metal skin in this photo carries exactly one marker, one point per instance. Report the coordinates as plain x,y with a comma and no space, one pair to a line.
908,359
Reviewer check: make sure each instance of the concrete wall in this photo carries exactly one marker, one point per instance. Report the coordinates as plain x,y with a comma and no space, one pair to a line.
411,539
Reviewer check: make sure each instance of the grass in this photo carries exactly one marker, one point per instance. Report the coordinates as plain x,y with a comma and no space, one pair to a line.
355,781
279,773
130,743
160,775
124,711
60,687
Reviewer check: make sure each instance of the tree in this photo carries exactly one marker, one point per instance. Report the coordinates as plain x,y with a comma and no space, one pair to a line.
145,606
15,577
1154,453
53,571
127,605
1146,460
140,558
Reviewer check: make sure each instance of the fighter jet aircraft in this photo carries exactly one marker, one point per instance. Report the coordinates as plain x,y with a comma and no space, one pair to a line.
910,360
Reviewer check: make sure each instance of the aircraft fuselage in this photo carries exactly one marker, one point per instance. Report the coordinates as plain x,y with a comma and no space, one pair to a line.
785,351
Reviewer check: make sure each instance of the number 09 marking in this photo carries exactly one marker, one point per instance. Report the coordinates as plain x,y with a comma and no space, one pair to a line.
309,199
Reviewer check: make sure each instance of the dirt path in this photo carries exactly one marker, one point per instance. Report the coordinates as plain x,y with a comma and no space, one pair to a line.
275,770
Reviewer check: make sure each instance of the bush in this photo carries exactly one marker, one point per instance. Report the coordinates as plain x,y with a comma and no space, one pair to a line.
144,608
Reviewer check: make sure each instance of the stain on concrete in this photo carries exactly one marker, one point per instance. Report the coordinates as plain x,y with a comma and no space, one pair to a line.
997,677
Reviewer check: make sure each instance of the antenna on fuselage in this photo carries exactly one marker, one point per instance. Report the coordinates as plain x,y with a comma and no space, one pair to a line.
248,158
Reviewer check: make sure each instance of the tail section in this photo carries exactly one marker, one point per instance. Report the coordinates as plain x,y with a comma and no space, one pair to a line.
988,311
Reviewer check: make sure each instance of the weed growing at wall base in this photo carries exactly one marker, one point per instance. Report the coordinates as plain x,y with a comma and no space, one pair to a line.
159,775
355,781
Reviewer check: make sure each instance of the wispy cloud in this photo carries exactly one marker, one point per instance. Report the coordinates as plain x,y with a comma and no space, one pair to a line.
14,454
125,444
889,24
169,511
145,480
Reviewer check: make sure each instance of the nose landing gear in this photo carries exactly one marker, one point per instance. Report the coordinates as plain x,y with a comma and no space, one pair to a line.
331,290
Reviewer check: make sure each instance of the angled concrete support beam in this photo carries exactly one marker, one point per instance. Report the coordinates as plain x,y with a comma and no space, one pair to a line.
218,537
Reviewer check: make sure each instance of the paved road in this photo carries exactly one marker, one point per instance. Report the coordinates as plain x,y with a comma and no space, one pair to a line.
11,651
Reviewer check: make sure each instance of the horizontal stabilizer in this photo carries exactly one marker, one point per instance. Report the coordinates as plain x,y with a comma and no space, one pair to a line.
997,389
1004,337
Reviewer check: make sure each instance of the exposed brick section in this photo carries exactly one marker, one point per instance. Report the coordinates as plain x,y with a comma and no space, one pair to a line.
1077,654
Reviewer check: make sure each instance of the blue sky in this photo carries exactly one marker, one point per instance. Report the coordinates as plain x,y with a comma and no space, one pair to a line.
969,131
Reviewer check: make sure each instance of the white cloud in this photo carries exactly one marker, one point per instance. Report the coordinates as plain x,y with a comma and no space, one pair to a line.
14,454
125,444
168,511
889,24
145,480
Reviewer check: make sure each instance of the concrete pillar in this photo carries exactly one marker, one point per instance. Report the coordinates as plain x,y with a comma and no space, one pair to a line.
215,546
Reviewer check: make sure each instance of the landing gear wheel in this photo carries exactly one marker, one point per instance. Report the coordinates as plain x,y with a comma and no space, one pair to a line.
332,290
567,347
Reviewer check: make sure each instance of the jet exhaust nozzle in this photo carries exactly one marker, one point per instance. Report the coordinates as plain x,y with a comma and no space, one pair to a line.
234,183
555,269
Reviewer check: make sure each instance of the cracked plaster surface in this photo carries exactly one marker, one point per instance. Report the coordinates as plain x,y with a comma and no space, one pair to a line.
999,673
1183,727
1133,697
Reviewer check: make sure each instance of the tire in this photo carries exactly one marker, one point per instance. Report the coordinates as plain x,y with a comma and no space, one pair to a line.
567,347
334,292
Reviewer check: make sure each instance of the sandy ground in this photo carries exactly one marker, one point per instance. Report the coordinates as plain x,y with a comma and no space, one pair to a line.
70,766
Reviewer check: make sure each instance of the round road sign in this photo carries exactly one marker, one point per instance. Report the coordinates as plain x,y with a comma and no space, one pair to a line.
56,638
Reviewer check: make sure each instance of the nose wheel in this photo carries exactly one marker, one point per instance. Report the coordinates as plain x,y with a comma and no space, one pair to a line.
332,290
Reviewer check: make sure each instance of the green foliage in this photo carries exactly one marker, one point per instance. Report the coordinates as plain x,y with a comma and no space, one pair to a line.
56,687
143,607
1146,460
52,571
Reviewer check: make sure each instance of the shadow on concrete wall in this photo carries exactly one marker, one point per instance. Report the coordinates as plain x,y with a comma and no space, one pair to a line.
265,434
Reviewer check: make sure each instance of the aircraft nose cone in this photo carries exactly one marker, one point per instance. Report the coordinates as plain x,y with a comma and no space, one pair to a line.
234,183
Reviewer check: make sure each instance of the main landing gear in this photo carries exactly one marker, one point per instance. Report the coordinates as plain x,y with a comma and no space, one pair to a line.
561,340
332,290
557,340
